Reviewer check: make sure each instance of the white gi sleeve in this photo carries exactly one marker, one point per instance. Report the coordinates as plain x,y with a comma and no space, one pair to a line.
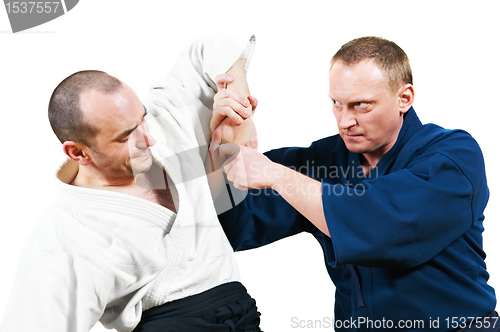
186,93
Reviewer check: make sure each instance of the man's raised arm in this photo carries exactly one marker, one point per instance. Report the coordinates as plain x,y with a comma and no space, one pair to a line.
187,92
232,119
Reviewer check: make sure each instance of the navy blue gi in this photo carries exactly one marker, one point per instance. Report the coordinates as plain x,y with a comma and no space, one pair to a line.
406,241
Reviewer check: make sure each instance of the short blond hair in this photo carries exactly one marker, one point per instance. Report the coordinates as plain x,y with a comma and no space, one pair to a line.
387,55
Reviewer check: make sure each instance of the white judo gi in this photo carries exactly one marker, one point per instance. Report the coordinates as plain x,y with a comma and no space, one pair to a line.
104,256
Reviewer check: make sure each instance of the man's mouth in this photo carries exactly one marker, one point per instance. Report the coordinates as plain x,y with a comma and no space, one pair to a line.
143,155
352,136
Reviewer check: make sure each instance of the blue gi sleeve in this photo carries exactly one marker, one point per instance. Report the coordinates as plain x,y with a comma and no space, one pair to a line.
405,218
264,216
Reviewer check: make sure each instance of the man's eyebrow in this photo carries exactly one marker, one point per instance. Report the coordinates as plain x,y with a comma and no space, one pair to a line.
363,100
129,131
126,133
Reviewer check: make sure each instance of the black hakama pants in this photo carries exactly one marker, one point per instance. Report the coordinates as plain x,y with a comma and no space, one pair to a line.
225,308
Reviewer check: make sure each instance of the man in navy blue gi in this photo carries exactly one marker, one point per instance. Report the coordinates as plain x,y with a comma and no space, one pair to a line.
396,205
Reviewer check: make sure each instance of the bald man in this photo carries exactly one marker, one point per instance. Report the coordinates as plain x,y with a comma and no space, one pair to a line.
133,239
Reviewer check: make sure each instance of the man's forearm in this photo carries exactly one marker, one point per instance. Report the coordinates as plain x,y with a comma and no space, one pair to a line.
303,193
248,168
240,83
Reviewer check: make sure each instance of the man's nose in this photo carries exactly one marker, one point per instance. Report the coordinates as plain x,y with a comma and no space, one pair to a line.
144,138
346,121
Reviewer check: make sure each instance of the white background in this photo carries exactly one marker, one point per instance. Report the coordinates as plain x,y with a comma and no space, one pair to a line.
452,45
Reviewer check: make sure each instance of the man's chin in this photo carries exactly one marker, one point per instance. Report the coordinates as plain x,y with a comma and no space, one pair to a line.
142,166
354,148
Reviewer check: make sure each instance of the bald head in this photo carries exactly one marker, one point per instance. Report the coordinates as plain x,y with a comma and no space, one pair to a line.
66,117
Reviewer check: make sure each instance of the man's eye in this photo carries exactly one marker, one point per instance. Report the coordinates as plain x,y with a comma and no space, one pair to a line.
362,104
335,102
123,140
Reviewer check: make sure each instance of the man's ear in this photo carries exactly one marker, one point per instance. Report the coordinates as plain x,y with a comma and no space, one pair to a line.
77,152
406,97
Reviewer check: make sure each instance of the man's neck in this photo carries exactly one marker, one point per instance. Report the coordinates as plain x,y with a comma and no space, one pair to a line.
87,179
371,159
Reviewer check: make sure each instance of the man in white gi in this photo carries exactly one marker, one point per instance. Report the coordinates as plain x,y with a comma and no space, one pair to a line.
133,239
